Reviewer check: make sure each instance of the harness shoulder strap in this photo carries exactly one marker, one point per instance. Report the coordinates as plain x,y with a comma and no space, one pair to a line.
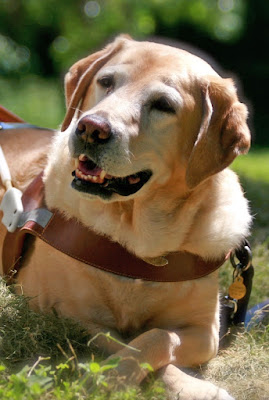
33,199
9,120
81,243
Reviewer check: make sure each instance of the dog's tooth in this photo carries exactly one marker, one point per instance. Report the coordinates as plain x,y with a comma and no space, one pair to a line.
82,157
103,174
94,178
133,179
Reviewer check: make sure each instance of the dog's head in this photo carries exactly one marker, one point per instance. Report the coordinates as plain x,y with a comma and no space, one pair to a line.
142,115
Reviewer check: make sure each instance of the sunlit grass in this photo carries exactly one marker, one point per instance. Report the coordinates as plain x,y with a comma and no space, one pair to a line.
255,165
36,100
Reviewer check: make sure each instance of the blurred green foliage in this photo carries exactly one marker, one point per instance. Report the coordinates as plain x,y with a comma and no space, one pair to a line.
45,37
35,99
59,32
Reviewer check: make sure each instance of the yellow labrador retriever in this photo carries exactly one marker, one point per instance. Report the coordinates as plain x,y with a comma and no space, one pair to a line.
148,134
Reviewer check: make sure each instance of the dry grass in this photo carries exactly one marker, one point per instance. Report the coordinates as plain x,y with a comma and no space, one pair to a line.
242,368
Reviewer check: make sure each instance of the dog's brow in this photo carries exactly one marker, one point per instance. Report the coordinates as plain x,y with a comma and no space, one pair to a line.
111,70
169,90
167,81
170,83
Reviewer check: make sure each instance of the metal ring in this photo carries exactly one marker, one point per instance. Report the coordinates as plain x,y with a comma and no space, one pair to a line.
235,305
243,268
232,302
232,259
249,258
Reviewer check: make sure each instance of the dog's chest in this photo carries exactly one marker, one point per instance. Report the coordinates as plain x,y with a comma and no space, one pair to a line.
132,306
127,306
104,301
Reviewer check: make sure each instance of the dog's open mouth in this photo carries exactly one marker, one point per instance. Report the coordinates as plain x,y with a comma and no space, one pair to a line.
90,178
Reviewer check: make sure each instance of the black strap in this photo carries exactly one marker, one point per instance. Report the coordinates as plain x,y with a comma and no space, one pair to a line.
244,256
233,313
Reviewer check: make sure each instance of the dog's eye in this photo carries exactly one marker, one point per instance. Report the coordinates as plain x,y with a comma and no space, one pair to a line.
162,104
106,82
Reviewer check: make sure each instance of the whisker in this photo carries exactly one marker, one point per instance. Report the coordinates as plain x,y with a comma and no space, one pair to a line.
76,109
128,155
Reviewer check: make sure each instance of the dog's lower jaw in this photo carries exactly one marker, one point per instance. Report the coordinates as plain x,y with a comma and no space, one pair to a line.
123,187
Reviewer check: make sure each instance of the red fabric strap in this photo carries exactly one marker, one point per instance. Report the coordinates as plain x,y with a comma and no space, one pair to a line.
8,116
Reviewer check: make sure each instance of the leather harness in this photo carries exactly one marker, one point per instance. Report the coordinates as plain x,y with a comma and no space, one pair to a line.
79,242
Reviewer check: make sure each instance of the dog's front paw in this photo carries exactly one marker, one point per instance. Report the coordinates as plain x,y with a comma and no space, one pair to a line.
185,387
128,372
223,395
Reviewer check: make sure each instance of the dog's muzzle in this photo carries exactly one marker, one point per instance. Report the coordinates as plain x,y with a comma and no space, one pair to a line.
94,129
92,133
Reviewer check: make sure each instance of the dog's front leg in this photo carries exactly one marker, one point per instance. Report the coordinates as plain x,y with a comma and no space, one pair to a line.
110,342
161,349
182,386
186,347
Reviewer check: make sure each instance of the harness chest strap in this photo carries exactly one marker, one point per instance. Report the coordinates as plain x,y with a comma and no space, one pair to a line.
77,241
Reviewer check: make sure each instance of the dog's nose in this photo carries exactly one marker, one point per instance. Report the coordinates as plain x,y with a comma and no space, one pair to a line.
94,129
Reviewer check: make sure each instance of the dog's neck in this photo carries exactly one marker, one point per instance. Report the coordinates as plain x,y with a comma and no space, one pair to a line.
147,226
160,221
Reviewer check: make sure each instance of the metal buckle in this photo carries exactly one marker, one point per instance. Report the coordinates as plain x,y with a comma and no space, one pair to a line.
232,303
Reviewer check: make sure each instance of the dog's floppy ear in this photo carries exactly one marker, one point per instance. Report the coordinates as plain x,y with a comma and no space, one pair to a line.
223,134
81,73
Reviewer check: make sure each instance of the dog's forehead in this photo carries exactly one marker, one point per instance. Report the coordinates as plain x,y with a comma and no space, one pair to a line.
154,58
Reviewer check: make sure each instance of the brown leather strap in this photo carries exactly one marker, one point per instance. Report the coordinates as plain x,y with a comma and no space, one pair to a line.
33,198
8,116
77,241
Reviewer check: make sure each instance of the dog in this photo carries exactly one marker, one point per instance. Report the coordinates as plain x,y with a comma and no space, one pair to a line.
148,135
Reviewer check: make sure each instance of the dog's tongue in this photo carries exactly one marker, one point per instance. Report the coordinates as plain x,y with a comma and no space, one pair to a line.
88,169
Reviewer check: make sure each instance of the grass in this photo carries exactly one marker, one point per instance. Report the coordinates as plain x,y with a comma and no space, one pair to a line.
47,357
242,368
253,170
255,166
41,101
